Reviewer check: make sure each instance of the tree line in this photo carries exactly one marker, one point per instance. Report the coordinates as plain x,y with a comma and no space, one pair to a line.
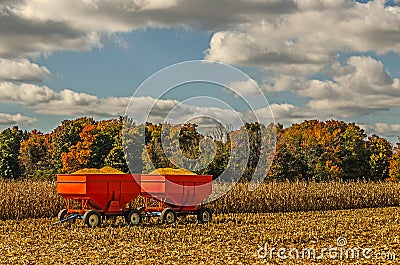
312,151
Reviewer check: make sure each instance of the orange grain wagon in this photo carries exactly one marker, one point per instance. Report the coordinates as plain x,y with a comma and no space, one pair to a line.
176,195
90,197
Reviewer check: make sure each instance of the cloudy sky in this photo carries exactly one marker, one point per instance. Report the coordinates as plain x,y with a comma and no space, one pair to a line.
312,59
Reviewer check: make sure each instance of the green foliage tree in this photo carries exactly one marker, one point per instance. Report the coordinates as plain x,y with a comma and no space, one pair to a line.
10,143
132,145
116,157
153,154
354,153
380,153
181,146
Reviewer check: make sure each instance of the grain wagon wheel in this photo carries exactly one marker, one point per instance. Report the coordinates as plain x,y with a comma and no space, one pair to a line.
204,215
145,217
92,218
62,214
133,217
168,216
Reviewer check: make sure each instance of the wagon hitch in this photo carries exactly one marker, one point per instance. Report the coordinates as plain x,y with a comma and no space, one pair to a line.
69,217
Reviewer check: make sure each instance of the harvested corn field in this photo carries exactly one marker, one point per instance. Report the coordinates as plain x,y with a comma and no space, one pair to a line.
228,239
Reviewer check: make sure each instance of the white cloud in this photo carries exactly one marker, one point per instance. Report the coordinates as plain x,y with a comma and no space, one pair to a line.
22,36
176,112
71,103
364,88
26,94
382,129
42,26
248,87
127,15
45,100
280,83
306,40
9,119
359,87
285,113
291,39
22,70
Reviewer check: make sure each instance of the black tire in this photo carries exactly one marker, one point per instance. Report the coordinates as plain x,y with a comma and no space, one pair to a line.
133,217
92,218
204,215
62,214
168,216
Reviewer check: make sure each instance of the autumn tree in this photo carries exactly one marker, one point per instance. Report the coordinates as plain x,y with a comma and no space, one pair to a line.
394,164
35,157
311,150
65,136
320,151
169,145
93,147
78,155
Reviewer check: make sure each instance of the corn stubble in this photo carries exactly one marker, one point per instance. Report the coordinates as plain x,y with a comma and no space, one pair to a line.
228,239
280,214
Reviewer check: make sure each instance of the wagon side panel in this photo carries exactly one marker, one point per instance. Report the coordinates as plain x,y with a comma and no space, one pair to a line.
188,190
130,188
97,191
71,185
153,185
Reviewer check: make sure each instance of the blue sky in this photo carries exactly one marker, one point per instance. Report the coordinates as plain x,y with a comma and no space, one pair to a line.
311,59
124,68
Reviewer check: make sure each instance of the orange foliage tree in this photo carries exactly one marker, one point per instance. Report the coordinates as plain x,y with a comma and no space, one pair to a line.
35,157
95,143
315,150
394,166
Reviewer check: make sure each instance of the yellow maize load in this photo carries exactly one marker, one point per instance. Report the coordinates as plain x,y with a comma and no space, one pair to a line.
103,170
172,171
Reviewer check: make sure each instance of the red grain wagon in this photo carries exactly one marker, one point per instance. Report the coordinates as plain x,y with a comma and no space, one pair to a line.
98,195
176,195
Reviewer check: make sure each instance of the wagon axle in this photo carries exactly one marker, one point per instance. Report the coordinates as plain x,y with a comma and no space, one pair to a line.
133,217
